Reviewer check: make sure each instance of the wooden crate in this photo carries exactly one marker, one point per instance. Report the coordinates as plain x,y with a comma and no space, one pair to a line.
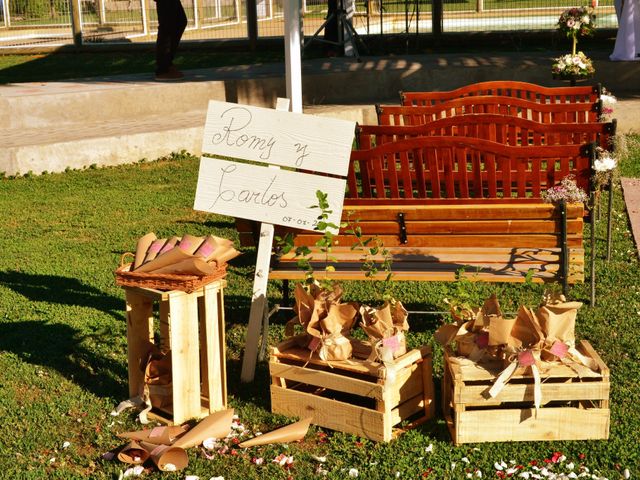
191,325
353,396
575,408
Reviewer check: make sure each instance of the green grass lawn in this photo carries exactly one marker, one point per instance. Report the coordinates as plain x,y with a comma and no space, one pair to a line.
63,339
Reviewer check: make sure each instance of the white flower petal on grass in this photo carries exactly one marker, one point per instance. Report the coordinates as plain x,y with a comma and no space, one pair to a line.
170,467
570,466
66,444
572,475
319,459
52,460
626,474
217,478
453,465
479,473
524,475
133,472
498,467
353,472
465,460
397,474
210,443
192,477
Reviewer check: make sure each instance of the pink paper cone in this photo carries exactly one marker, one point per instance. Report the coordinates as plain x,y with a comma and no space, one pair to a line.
189,243
165,435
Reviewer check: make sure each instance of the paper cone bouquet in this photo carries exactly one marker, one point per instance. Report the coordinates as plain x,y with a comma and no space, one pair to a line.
165,446
327,323
531,341
187,255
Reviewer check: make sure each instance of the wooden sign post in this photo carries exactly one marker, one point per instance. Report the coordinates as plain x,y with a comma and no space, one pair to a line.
261,192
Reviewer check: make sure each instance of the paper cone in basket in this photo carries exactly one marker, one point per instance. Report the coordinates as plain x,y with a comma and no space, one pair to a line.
167,458
291,433
133,453
216,425
141,249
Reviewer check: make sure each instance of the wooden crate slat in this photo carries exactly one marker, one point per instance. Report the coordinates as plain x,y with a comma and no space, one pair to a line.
329,413
551,424
470,395
333,381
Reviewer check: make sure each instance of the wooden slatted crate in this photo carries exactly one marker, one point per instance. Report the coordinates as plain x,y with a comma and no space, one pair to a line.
574,407
191,326
353,396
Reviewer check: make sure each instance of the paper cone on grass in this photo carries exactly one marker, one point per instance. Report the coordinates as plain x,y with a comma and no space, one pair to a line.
291,433
216,425
141,249
133,453
167,458
160,435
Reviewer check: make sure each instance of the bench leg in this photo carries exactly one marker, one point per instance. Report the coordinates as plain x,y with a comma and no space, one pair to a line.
564,249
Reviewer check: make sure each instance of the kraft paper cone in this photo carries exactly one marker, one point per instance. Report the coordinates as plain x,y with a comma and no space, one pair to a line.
216,425
154,249
133,453
172,242
189,243
167,458
526,332
500,330
160,435
447,333
291,433
175,255
190,266
223,255
141,248
304,304
558,319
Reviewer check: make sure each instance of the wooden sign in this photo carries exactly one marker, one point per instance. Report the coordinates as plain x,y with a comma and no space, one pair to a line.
272,195
287,139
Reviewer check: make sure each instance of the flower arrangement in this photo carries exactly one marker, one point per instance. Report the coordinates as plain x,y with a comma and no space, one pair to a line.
577,22
573,65
568,191
608,102
605,167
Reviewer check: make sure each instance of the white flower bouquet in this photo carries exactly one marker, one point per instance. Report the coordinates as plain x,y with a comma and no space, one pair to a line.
573,66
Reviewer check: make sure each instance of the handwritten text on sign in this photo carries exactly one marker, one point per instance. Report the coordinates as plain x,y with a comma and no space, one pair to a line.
271,195
280,138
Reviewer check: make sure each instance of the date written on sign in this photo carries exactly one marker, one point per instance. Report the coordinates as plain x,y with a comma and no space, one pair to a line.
263,194
287,139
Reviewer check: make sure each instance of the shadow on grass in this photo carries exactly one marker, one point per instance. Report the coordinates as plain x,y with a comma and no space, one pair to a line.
61,290
60,347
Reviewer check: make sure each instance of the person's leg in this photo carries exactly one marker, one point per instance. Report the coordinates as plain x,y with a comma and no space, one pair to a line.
164,41
179,25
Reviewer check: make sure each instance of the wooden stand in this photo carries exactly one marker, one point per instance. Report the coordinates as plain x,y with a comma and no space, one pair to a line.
191,325
353,396
575,408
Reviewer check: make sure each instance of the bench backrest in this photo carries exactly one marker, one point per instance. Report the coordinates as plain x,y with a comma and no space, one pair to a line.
498,128
524,90
450,170
510,106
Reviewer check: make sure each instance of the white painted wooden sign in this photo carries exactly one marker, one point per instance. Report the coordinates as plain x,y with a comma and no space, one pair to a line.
256,192
287,139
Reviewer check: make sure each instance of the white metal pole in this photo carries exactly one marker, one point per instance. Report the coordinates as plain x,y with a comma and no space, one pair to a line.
196,17
145,18
292,53
5,13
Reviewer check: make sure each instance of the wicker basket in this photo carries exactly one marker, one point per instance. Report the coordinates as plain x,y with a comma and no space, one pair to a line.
164,281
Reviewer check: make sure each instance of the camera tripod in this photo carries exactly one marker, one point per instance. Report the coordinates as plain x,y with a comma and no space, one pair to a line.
347,35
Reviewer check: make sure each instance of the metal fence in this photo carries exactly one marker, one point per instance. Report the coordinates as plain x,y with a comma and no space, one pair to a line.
51,22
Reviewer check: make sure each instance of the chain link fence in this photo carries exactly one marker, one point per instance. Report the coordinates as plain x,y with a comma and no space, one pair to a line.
53,22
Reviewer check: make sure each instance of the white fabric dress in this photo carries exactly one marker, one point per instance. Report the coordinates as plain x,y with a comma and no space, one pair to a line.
628,39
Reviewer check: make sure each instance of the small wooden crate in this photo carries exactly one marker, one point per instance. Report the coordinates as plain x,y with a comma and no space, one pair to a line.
191,325
352,396
575,408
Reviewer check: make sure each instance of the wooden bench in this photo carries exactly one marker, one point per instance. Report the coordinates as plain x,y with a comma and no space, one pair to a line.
498,128
509,88
510,106
445,204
